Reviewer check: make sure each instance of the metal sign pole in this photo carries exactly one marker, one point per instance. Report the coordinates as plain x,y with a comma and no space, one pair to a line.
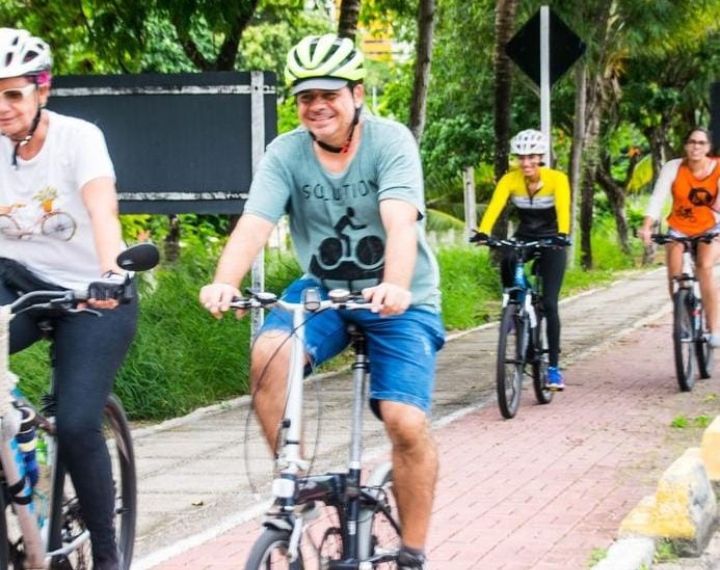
257,122
545,79
469,200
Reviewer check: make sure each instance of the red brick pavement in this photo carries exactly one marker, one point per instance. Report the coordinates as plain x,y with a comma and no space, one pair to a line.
542,490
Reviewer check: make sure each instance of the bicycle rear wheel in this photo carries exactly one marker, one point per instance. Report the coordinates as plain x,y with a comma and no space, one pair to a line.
379,537
68,524
703,350
512,345
683,339
540,361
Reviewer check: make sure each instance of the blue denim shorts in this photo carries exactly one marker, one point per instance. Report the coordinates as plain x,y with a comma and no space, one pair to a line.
402,348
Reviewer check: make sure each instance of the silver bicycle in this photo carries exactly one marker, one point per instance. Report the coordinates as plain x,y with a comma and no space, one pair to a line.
42,525
332,520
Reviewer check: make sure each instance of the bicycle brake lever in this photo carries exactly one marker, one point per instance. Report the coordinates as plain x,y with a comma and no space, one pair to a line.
91,311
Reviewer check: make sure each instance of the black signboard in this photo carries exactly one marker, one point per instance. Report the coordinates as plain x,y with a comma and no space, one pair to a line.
715,116
565,47
180,142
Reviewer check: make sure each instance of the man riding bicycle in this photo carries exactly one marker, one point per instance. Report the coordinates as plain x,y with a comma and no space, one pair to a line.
47,157
541,197
342,160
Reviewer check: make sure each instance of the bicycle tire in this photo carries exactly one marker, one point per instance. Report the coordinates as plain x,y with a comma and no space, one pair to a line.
683,342
4,539
543,394
379,531
703,350
510,360
70,524
270,552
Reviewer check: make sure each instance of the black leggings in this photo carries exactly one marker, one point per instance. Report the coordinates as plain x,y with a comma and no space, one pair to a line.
88,353
551,266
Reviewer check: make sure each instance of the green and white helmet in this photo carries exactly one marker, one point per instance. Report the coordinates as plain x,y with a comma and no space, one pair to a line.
323,62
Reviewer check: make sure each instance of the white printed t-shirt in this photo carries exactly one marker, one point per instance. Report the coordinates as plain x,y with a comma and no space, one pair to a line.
48,228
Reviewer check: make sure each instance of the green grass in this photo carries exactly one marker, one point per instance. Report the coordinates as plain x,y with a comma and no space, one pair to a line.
665,552
681,422
596,555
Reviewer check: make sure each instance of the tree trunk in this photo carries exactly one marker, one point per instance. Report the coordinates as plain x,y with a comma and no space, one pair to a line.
349,14
172,240
616,197
504,23
589,171
578,145
425,25
595,105
505,11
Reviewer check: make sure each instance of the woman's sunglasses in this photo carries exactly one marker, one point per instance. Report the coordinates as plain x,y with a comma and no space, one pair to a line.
16,95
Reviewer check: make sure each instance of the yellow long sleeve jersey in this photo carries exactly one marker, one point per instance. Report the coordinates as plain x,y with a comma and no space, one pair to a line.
544,213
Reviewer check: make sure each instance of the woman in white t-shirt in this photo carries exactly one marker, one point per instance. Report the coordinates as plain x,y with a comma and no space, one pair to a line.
59,228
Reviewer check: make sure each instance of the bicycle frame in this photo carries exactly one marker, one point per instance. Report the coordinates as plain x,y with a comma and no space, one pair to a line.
528,292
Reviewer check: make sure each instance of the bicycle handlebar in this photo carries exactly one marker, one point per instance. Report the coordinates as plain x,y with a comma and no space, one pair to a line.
140,257
667,238
312,303
541,243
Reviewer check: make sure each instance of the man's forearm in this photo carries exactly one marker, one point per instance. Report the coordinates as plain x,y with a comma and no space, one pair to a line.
400,255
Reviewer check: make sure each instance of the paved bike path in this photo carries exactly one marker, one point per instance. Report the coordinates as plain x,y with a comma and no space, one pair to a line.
539,491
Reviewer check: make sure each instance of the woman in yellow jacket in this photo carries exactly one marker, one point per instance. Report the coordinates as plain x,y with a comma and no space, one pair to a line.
541,197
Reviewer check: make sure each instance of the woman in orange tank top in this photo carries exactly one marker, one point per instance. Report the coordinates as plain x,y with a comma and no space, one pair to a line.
694,182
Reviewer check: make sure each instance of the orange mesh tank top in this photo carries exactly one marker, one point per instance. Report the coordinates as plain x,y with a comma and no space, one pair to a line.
691,211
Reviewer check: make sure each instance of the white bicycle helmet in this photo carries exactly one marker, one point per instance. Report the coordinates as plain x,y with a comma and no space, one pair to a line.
528,142
323,62
22,54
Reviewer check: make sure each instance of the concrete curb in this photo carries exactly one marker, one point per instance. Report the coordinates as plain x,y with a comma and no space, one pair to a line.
683,510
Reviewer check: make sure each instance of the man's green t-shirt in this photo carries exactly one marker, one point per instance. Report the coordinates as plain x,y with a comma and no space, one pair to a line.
335,218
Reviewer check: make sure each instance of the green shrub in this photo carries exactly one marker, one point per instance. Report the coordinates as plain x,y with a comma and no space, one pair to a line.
470,286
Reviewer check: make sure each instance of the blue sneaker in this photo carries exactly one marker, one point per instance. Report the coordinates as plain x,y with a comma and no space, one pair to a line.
555,380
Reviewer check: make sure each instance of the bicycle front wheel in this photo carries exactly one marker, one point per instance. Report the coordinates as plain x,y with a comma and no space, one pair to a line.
270,552
68,523
543,394
512,345
703,350
683,339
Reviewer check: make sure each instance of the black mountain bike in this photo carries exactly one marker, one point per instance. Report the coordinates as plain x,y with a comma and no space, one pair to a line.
522,346
333,521
690,331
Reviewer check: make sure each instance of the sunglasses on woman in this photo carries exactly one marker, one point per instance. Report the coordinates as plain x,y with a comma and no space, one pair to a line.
16,95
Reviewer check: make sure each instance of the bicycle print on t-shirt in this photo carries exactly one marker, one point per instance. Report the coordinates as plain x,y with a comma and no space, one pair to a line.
349,256
23,221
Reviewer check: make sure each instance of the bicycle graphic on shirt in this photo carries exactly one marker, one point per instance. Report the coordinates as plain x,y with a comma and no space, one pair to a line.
52,223
347,256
